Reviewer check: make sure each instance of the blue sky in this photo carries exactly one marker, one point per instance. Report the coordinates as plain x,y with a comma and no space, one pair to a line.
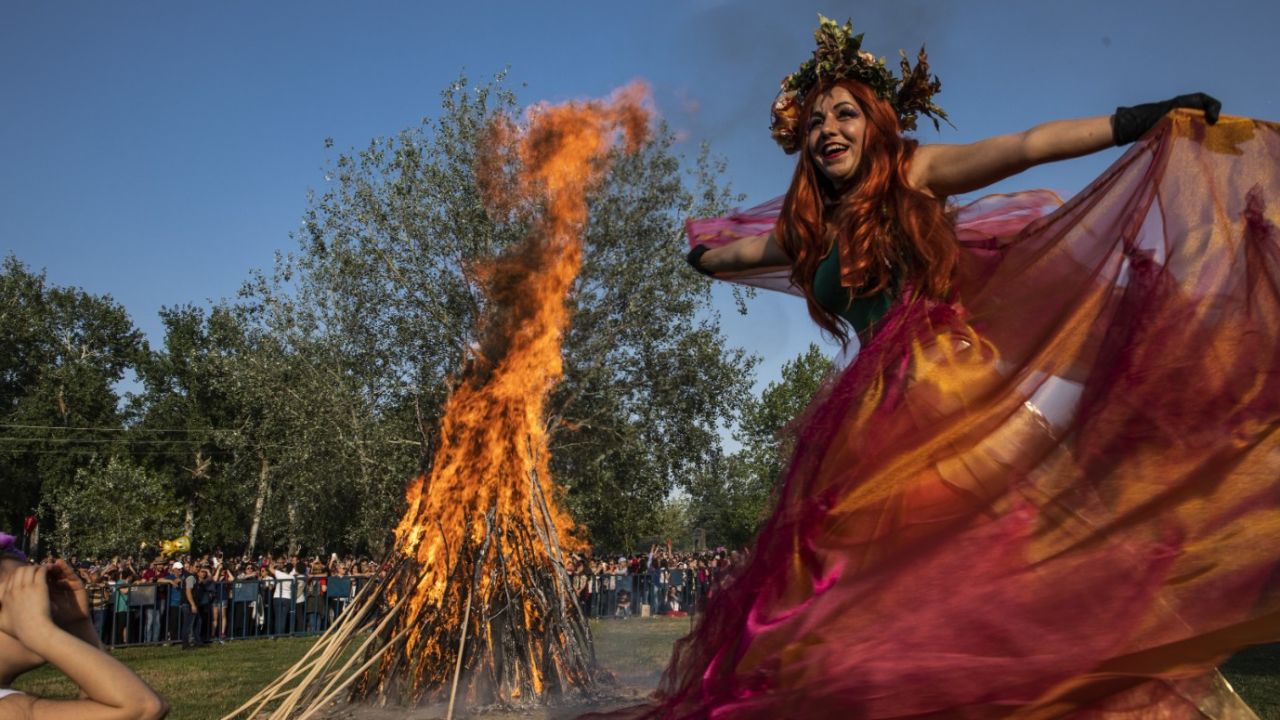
159,151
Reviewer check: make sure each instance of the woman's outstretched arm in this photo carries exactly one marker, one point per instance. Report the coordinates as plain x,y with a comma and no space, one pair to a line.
748,253
951,169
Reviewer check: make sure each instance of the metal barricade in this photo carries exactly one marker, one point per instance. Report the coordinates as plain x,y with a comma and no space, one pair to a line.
649,594
159,613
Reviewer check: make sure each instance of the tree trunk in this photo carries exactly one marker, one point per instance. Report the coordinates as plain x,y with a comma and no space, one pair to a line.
199,474
264,472
294,544
189,521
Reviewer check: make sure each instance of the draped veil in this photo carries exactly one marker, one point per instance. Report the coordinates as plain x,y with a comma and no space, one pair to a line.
1057,494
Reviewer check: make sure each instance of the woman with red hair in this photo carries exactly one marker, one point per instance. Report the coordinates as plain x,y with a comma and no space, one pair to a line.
1047,484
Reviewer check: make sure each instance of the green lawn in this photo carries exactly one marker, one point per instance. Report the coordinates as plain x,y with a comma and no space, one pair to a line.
206,683
1255,674
199,684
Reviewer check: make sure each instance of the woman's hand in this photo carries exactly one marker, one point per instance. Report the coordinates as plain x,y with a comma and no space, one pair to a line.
1131,123
69,603
109,689
68,599
24,604
744,254
694,258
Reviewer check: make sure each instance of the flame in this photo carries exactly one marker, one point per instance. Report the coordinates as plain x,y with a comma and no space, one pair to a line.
486,527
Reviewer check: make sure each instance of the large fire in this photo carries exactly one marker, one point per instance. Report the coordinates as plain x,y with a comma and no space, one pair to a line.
479,601
486,527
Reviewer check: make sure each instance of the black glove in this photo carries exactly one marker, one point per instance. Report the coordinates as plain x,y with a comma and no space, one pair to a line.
694,258
1131,123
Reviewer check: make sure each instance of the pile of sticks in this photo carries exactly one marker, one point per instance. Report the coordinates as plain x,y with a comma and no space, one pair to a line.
509,633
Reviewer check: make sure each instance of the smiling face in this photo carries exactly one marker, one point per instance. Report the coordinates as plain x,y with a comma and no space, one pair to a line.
836,132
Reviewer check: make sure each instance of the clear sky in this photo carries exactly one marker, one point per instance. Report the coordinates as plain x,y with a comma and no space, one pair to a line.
159,151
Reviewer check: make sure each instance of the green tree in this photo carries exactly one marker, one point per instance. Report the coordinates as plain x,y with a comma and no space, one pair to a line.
731,497
62,353
261,432
383,285
323,467
673,522
113,508
183,419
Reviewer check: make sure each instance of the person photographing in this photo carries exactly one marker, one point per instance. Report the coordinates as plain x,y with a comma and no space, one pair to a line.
45,618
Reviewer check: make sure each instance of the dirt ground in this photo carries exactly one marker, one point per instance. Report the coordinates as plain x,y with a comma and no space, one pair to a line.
636,651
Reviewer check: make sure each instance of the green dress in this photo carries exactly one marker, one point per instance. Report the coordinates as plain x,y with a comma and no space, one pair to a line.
861,312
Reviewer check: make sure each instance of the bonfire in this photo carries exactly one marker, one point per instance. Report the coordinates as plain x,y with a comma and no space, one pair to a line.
476,605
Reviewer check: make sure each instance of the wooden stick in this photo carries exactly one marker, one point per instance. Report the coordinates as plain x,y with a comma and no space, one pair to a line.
466,614
462,645
408,624
334,648
347,623
328,698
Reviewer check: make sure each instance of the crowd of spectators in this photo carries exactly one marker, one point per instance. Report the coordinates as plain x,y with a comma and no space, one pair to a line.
200,599
660,582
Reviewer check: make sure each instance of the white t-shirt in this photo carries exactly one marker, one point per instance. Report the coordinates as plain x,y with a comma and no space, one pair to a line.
284,585
6,692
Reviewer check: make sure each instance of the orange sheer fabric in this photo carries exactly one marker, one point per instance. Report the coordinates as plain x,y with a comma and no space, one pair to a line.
1057,495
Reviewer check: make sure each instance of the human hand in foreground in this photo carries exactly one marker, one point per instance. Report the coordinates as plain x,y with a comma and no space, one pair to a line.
109,690
24,604
69,602
68,599
1131,123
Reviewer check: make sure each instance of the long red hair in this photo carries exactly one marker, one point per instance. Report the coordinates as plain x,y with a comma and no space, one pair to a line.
898,235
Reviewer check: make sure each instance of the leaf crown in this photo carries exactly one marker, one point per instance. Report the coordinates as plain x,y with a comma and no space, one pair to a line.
839,54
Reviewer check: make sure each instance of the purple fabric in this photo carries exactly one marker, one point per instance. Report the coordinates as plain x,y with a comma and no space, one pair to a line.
9,547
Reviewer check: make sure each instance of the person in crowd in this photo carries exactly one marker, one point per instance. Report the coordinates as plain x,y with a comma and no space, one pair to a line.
99,593
282,603
266,599
336,584
241,604
624,605
673,605
152,610
316,587
118,582
221,578
172,580
189,607
45,618
653,568
204,594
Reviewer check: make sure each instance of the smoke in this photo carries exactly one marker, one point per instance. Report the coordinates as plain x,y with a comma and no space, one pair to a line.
740,51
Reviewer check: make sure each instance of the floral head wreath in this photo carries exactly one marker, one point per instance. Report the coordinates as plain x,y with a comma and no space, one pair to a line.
840,55
9,547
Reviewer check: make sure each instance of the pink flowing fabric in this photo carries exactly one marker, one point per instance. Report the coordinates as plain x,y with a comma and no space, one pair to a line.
1057,495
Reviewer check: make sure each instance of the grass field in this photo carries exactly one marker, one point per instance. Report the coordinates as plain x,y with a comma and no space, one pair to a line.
205,684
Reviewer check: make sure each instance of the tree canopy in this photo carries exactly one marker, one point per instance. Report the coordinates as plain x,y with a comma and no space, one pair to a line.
293,414
732,496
